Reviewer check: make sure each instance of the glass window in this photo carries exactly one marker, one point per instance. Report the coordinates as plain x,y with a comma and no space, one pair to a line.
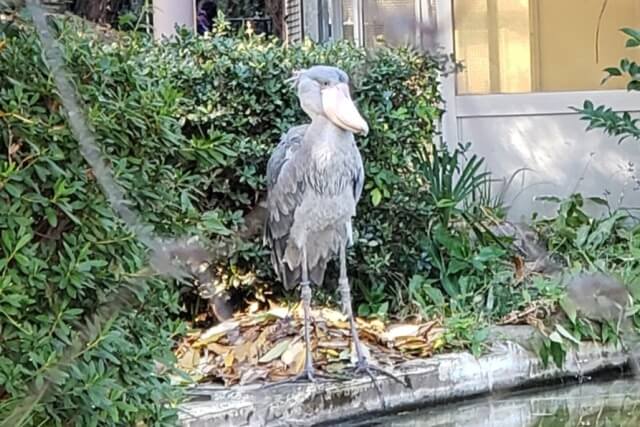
510,46
390,20
393,22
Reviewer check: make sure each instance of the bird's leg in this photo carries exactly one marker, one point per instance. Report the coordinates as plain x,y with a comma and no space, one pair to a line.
305,294
362,365
308,373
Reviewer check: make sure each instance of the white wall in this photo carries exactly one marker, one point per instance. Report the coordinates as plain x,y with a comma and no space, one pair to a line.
562,156
169,13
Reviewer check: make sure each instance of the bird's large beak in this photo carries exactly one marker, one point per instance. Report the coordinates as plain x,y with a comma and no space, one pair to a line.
341,110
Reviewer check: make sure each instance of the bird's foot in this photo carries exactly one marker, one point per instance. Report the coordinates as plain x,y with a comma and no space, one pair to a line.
363,366
307,375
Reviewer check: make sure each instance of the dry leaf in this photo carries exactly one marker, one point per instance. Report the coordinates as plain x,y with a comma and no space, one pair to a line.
298,362
333,316
279,312
400,330
290,355
253,374
275,352
335,344
215,333
13,149
519,266
242,351
217,348
228,359
189,360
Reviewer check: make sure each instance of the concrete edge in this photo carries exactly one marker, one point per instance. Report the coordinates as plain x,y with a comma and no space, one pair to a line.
442,378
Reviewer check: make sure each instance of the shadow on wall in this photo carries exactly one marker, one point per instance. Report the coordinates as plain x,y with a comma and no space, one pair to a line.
555,157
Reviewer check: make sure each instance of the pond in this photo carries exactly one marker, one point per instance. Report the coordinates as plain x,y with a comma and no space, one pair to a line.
610,403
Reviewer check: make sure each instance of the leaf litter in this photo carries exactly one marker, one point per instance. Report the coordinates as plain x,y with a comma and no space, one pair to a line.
269,345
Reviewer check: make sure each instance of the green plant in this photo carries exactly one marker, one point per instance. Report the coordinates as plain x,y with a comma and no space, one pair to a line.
618,124
463,266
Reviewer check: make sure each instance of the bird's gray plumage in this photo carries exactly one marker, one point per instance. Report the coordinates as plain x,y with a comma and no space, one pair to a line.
315,178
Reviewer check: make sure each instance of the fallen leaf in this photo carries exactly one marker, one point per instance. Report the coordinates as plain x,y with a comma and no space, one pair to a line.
253,374
215,333
298,362
275,352
189,360
333,316
336,344
397,331
279,312
242,351
228,359
13,149
218,348
519,267
289,356
331,352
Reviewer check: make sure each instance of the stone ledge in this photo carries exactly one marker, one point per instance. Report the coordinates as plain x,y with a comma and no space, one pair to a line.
442,378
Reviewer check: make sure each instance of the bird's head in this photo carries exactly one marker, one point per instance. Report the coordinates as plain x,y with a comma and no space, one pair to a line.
324,91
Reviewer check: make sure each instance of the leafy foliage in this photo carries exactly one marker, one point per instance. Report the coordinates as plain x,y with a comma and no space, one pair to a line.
609,244
621,125
188,127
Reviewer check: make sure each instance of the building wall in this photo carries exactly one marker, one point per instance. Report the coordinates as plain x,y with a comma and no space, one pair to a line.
293,21
552,155
169,13
514,101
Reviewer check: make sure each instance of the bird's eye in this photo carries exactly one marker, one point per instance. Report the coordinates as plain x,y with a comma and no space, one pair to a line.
325,83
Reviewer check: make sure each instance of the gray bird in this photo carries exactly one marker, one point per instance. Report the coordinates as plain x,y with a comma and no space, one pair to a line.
314,180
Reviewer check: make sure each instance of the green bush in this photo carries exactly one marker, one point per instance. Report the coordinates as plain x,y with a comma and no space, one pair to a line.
188,127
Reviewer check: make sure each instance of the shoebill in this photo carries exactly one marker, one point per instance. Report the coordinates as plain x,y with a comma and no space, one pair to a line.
314,180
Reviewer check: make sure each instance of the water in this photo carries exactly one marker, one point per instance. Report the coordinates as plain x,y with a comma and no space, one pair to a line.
595,404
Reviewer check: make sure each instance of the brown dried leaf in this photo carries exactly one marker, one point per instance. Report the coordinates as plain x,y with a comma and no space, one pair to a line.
243,350
279,312
298,362
275,352
13,149
215,333
519,267
189,360
229,359
290,355
218,349
335,344
253,374
333,316
400,330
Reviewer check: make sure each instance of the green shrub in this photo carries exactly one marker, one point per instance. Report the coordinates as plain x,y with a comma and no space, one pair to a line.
188,127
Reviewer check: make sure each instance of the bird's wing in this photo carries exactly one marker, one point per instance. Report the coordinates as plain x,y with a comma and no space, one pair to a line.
358,179
285,185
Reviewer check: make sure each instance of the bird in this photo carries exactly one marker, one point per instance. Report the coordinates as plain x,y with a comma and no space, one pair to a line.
603,298
315,178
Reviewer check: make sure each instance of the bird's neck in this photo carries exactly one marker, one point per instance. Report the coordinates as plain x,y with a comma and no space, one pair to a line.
323,128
